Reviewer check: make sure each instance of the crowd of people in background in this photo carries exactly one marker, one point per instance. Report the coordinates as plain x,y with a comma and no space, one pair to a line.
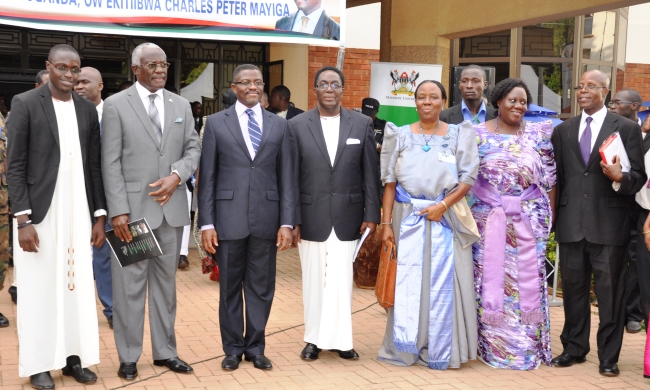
468,195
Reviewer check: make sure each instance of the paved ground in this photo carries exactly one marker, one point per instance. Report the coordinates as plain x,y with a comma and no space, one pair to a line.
199,343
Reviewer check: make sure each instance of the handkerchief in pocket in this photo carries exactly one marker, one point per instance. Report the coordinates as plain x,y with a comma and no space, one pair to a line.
178,120
352,141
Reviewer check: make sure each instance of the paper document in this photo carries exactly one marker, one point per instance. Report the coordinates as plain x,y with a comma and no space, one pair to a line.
361,240
613,146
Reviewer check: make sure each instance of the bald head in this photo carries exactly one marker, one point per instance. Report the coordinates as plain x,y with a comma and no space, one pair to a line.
90,85
598,75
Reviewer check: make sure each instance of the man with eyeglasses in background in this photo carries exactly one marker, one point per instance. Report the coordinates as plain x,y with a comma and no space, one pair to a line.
472,107
626,103
149,150
592,224
337,182
246,213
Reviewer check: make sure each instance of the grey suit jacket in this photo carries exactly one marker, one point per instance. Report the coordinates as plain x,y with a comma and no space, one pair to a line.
326,27
132,158
454,115
241,196
341,195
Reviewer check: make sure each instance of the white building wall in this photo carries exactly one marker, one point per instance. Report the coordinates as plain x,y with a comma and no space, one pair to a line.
638,34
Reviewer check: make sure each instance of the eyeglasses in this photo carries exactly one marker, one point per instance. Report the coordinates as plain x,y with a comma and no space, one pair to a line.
247,83
590,87
324,86
64,69
619,102
154,65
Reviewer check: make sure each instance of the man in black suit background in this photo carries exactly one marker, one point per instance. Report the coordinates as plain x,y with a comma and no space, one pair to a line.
312,19
247,208
197,114
337,182
279,103
592,225
473,82
55,185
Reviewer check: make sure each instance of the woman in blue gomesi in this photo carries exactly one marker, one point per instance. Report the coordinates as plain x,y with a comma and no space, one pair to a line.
427,168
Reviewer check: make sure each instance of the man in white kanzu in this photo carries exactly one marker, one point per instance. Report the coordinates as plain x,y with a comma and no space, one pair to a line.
55,183
335,168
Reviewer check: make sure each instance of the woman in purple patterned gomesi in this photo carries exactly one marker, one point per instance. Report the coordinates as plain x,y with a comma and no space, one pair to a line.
513,202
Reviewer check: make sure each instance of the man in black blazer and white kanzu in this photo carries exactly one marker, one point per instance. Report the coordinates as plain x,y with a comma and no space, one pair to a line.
246,203
337,184
592,223
473,82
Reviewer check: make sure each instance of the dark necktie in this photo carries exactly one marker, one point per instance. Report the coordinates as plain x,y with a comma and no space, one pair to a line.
254,130
585,141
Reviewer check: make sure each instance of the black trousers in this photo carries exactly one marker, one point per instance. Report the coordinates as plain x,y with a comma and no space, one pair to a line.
578,260
247,264
643,266
633,310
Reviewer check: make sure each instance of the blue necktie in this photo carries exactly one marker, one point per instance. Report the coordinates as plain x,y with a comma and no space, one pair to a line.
585,141
254,130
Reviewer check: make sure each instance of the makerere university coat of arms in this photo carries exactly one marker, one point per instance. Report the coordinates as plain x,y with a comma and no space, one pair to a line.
404,84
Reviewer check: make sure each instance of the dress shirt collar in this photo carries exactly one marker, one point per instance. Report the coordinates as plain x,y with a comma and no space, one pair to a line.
144,92
467,114
314,16
241,110
598,118
100,109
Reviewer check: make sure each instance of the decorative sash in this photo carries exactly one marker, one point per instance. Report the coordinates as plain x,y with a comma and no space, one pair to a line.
410,258
494,254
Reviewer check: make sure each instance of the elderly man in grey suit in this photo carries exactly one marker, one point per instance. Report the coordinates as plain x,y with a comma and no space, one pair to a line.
149,150
247,208
335,168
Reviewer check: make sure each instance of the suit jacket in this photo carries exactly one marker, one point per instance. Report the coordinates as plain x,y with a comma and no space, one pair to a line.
325,28
241,196
454,115
587,205
198,125
34,155
342,195
132,157
291,112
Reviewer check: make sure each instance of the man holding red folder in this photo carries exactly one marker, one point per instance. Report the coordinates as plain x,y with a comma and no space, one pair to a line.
592,223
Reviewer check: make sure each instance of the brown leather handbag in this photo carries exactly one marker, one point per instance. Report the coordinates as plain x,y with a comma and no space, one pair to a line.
385,288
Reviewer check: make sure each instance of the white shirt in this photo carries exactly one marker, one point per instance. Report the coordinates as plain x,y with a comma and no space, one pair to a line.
643,196
159,102
100,111
243,123
283,114
596,124
331,126
314,17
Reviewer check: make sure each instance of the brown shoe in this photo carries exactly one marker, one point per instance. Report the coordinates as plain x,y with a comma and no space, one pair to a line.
183,263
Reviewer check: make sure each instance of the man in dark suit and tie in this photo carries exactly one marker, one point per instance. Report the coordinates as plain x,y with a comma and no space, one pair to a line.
149,150
279,103
312,19
247,208
197,114
592,225
337,180
473,82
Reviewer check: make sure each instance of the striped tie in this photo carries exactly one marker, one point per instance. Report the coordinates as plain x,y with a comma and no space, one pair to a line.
155,118
254,130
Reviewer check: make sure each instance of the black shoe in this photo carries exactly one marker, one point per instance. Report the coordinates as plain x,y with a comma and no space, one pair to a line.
127,371
42,380
351,354
310,352
183,263
608,368
13,291
175,364
4,322
81,375
566,360
633,326
260,361
110,322
231,362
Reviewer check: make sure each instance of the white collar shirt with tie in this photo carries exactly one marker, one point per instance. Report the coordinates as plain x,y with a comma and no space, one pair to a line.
597,122
242,116
159,102
312,21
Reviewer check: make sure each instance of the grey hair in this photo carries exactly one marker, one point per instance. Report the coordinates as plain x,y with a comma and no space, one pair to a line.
136,56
